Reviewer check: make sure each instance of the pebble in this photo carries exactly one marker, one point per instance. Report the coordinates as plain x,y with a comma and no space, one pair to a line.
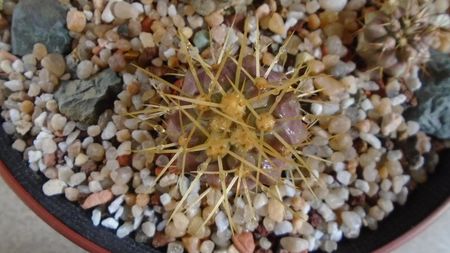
125,229
371,139
124,10
283,227
85,69
77,179
330,86
71,194
175,247
276,24
146,39
53,187
34,156
14,85
339,124
244,242
109,132
275,210
55,64
221,221
96,152
19,145
353,221
294,244
312,6
201,39
94,130
207,246
117,62
110,223
165,199
214,19
39,51
96,216
27,106
390,123
344,177
58,122
148,228
262,11
76,21
96,199
333,5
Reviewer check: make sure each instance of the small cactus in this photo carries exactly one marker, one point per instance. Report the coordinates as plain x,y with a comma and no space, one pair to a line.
233,124
398,36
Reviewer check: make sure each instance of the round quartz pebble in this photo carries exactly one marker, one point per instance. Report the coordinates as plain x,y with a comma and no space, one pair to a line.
124,10
55,64
207,246
148,228
76,20
58,122
333,5
95,151
344,177
85,69
53,187
294,244
94,131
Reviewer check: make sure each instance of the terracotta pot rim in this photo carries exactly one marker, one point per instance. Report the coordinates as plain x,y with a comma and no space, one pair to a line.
91,246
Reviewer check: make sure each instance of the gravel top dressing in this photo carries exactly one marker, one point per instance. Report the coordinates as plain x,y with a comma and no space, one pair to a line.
228,126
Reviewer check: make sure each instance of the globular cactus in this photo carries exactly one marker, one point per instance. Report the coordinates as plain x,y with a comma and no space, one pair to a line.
398,35
233,124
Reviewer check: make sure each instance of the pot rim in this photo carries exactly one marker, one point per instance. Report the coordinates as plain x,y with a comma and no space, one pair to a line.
91,246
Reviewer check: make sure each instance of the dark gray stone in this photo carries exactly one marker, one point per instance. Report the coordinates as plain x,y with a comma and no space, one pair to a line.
85,100
433,110
41,21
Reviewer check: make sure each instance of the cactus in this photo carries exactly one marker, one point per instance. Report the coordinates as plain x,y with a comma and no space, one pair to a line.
234,125
398,35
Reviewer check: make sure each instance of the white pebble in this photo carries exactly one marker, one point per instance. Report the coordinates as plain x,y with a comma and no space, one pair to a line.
96,216
221,221
34,156
386,205
283,227
316,108
172,10
77,179
14,85
148,228
53,187
19,145
110,223
362,185
326,212
85,69
353,222
109,132
18,66
124,230
344,177
165,199
371,139
115,205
